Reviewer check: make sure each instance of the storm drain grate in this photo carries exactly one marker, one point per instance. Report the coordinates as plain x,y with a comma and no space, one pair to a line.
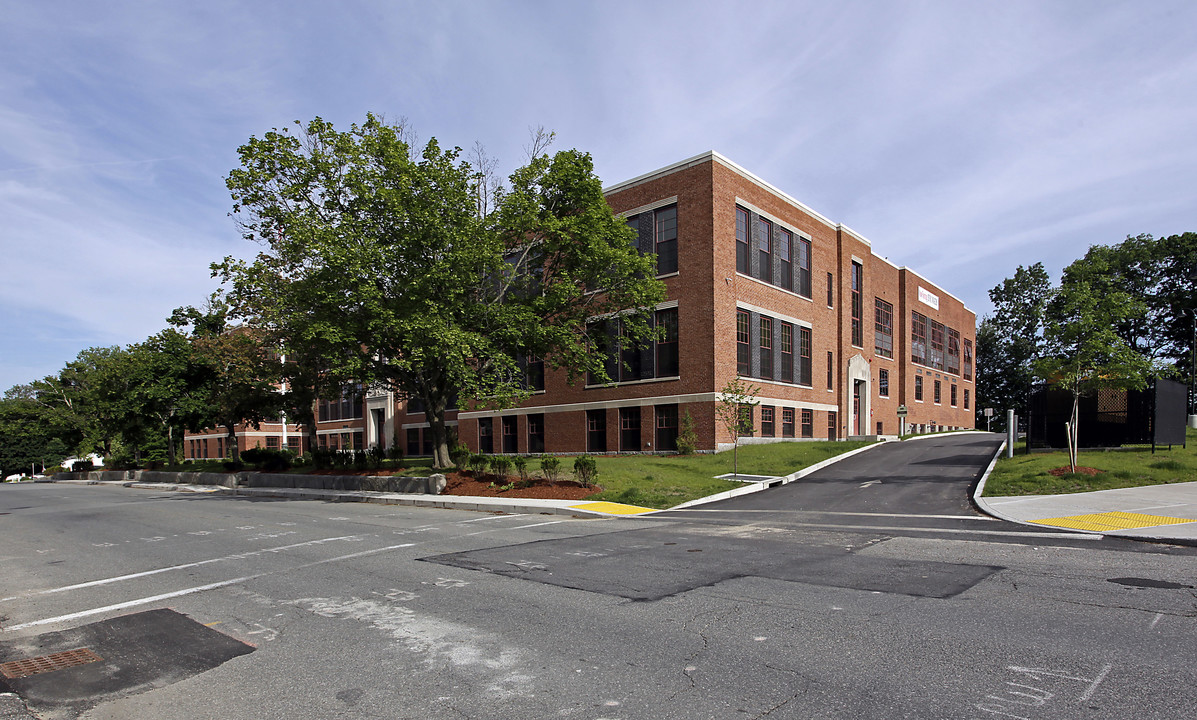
48,663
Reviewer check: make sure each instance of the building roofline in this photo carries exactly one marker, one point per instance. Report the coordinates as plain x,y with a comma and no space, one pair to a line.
713,156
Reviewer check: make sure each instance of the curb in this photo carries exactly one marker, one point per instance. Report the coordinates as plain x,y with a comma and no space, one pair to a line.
981,504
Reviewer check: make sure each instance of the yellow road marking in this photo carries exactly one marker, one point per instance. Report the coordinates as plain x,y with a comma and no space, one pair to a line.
1114,520
611,508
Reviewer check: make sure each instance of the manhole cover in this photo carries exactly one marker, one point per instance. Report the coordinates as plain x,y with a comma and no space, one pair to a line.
48,663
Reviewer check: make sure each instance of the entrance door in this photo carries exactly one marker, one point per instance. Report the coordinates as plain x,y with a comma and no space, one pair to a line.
379,417
857,420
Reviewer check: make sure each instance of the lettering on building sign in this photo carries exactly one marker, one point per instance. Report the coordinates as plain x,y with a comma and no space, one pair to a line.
927,297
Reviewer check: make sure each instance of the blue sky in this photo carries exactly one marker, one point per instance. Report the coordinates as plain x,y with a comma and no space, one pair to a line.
962,138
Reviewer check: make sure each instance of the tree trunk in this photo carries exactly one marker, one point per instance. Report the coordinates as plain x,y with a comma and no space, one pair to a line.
435,411
231,446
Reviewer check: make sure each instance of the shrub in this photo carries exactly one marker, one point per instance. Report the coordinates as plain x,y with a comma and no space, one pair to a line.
395,451
460,456
82,466
521,468
500,465
586,470
550,467
478,464
687,436
267,460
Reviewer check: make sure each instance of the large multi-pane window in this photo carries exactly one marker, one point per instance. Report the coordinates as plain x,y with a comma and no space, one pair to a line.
804,356
918,338
629,429
536,433
596,431
766,347
936,355
347,407
510,426
666,427
857,305
486,435
918,388
787,352
785,267
742,244
656,232
667,358
883,383
953,361
808,423
802,256
765,250
767,421
787,422
743,344
938,394
830,370
883,328
968,359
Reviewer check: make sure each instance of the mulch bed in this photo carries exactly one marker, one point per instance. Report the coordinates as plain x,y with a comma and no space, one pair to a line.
463,484
1079,469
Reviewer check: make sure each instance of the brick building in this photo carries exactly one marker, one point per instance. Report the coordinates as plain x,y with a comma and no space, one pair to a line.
759,286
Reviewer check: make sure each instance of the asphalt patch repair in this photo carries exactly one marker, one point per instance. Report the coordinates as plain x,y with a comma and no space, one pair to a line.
134,653
653,564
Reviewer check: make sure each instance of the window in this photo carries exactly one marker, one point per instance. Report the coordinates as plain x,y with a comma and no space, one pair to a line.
808,423
742,240
426,445
666,427
787,352
293,444
857,305
533,373
764,251
804,357
743,347
966,398
830,290
937,392
918,338
596,431
536,433
666,240
968,361
830,370
272,443
952,394
510,427
413,440
918,388
883,383
785,268
347,407
953,362
787,422
629,429
747,427
486,435
833,426
605,341
935,358
766,348
656,232
880,428
883,328
802,253
667,365
767,422
631,366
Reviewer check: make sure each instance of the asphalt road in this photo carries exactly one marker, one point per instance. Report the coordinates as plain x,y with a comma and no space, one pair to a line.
835,597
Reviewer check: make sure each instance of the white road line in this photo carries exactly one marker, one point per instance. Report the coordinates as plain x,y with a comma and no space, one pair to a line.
955,531
133,576
492,517
1097,681
861,514
199,588
517,527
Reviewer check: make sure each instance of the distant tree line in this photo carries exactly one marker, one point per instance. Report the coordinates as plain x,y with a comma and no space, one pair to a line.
1120,316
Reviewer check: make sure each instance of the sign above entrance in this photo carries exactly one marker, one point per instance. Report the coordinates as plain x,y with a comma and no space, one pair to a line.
927,297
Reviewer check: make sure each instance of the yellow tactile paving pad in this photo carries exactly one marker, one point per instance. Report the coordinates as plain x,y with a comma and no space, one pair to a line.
613,508
1115,520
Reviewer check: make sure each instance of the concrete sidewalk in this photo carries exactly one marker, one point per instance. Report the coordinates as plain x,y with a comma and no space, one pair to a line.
1161,513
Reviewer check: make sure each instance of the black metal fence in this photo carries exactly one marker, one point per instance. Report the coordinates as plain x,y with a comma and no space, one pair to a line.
1110,418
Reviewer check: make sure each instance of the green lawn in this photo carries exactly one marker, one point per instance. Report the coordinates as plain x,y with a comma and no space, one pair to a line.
657,481
1122,468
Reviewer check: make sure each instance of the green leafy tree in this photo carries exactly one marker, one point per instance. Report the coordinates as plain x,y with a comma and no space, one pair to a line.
1084,351
237,373
734,412
1010,341
415,271
29,439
